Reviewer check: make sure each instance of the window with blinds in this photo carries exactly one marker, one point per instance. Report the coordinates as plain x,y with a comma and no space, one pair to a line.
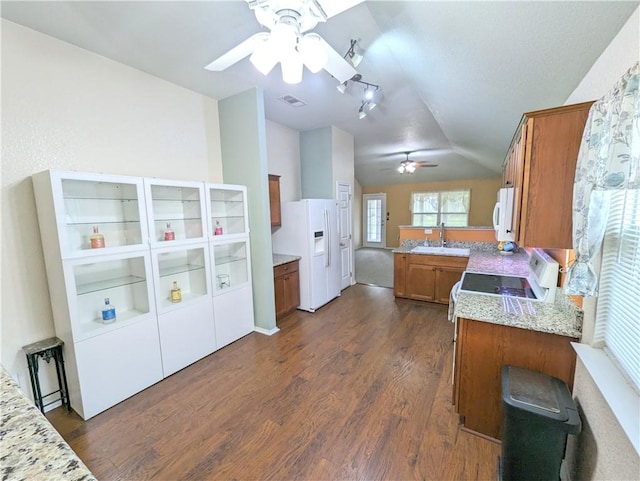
617,319
432,208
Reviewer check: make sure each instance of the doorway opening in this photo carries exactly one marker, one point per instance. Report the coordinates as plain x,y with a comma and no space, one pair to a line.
374,218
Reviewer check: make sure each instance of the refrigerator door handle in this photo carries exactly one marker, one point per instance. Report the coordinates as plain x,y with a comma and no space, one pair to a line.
327,240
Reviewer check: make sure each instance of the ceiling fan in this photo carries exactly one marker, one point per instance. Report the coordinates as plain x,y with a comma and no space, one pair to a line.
409,166
290,41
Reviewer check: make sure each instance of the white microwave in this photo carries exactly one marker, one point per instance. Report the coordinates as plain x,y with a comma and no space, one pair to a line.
503,215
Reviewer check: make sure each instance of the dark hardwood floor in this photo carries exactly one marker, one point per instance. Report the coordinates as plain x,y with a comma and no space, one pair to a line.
359,390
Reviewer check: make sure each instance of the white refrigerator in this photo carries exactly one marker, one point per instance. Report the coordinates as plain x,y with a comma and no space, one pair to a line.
310,230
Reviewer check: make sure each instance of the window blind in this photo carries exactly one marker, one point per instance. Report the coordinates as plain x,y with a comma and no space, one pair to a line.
617,318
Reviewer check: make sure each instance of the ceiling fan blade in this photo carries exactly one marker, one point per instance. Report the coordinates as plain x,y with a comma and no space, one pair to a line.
336,65
334,7
237,53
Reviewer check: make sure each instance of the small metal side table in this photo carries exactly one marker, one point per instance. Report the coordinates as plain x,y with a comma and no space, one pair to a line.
48,349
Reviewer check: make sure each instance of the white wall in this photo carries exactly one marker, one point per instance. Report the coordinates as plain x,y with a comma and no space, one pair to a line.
283,152
67,108
343,158
602,451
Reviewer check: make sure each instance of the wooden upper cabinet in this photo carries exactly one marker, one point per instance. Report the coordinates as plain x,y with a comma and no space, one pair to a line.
541,165
274,200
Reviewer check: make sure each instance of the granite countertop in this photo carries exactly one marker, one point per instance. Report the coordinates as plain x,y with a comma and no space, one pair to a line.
562,317
279,259
30,447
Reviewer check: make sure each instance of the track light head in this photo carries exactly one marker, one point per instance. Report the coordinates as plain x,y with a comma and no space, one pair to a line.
352,54
361,112
342,87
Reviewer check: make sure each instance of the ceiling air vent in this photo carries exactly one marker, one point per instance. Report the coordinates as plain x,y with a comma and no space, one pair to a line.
293,101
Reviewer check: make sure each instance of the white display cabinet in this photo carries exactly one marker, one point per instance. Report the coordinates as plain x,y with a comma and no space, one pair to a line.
227,211
131,264
176,211
122,279
107,369
188,267
233,312
231,266
111,205
233,293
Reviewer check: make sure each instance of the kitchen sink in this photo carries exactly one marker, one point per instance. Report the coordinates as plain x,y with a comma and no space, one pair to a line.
441,251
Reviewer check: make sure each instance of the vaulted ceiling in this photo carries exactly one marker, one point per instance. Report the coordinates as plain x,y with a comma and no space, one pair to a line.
455,76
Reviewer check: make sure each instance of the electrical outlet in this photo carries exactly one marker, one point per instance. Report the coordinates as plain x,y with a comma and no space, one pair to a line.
428,231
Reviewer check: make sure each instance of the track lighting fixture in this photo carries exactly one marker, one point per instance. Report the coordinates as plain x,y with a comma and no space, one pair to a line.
352,54
368,97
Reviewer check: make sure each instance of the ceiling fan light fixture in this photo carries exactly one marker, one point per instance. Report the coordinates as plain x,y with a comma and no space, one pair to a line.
264,57
312,53
291,64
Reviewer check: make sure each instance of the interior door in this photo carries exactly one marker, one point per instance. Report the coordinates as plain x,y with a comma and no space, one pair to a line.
374,208
346,242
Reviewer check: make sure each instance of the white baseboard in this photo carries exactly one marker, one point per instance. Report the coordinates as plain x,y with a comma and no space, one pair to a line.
267,332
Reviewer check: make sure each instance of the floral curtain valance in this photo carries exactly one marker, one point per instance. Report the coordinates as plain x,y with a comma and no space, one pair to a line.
608,160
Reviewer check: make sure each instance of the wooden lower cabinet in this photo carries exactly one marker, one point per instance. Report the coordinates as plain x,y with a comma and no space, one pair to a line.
286,278
482,348
425,277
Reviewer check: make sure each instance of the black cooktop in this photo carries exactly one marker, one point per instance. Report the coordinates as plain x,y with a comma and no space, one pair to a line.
497,284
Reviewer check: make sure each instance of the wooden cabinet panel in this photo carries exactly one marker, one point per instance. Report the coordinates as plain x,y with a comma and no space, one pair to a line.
287,288
482,349
400,275
426,277
421,282
541,166
274,200
446,277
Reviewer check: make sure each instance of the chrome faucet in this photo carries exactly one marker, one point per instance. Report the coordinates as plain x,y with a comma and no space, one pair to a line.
443,243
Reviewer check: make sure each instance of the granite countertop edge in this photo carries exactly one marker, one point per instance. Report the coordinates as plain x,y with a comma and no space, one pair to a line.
31,447
281,259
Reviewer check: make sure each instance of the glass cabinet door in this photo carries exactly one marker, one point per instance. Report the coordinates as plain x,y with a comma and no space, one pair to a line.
227,210
98,214
107,293
175,210
231,266
182,276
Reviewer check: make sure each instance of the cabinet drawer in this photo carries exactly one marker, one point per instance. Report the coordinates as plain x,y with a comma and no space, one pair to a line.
438,261
287,268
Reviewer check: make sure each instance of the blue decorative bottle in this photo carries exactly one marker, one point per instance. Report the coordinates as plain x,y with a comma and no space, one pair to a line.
108,311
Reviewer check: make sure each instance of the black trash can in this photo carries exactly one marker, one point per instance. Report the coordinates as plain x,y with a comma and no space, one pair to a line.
538,414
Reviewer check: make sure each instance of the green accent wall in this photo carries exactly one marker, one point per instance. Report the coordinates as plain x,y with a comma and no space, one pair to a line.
316,159
244,161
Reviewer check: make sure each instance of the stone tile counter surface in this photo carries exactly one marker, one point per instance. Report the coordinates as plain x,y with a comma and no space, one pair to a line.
30,448
279,259
562,317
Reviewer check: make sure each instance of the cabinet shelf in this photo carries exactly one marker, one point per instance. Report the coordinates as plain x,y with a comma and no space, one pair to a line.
96,326
228,260
107,198
89,287
172,271
103,222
